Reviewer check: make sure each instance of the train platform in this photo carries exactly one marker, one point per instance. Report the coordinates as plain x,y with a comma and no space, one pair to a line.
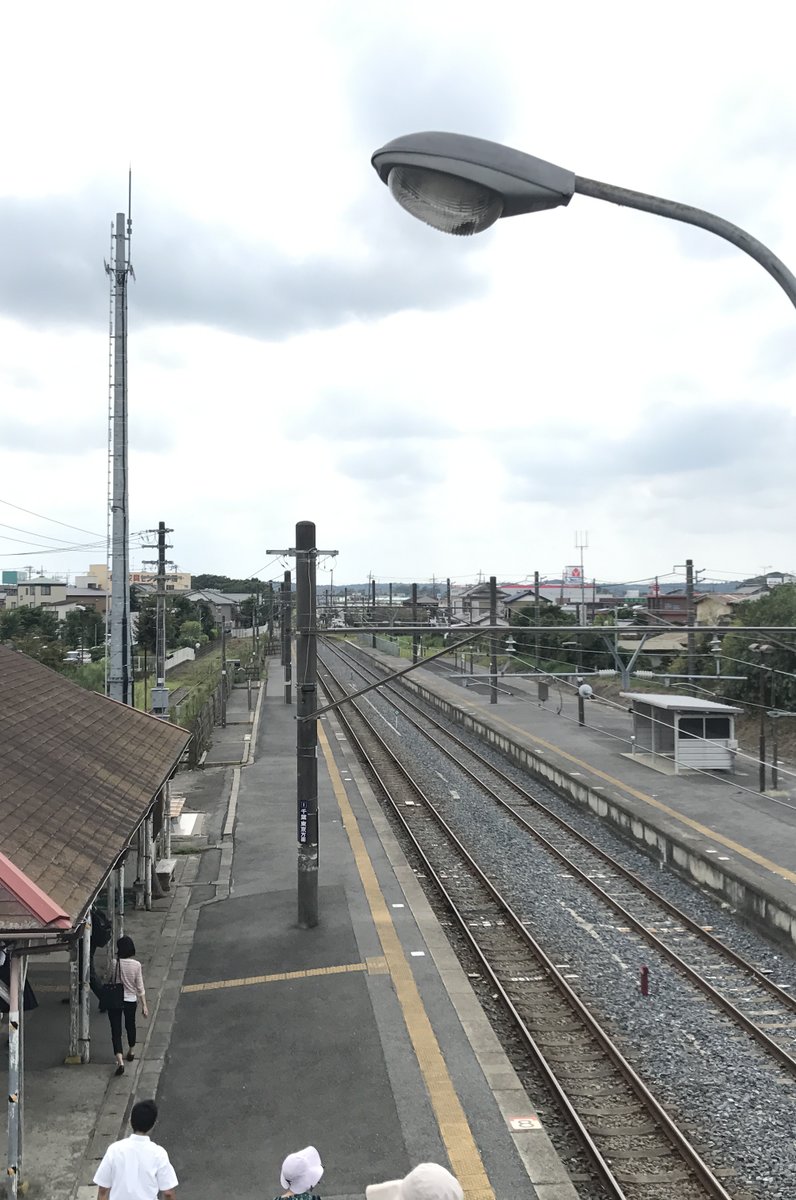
717,828
361,1036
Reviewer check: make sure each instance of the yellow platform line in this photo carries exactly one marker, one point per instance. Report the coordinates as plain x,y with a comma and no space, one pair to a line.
374,966
697,826
454,1127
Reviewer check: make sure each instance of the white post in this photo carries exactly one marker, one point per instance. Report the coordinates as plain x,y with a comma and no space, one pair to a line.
120,904
84,1033
15,1109
147,828
73,1055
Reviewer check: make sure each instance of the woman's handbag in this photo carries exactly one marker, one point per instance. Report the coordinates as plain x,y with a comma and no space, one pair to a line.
111,997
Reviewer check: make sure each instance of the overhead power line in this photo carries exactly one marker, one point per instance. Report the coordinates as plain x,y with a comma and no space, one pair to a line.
53,520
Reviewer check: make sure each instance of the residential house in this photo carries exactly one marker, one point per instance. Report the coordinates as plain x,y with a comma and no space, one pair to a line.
34,593
223,606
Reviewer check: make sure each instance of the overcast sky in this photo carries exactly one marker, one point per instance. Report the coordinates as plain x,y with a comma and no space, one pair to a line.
301,348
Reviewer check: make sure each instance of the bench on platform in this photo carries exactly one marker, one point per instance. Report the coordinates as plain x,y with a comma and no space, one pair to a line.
176,805
164,869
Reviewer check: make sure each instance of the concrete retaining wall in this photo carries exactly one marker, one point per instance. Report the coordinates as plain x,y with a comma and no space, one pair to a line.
742,892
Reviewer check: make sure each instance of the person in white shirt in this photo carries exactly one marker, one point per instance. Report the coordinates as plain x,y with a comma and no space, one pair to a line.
136,1168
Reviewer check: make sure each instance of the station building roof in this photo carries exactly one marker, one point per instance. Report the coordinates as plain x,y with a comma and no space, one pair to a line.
78,774
691,704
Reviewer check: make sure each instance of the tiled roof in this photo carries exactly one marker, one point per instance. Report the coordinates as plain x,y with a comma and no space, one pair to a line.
78,772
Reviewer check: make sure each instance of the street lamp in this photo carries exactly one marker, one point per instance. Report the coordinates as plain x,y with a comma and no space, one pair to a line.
462,185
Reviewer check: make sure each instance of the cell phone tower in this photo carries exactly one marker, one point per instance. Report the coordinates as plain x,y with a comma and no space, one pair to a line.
118,658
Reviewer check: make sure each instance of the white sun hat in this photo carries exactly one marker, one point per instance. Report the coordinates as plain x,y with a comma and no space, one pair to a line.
428,1181
302,1170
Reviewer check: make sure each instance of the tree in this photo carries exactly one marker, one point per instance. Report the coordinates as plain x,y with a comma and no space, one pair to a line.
223,583
778,663
84,628
191,633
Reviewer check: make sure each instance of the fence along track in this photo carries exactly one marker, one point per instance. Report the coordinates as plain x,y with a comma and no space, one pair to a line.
614,1115
686,944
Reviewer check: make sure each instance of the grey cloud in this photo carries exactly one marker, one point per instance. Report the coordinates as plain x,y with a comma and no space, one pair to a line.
22,378
52,251
777,355
404,467
50,436
736,177
403,83
676,447
357,418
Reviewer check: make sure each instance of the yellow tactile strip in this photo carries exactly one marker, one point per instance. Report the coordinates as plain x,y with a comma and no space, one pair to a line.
374,966
454,1127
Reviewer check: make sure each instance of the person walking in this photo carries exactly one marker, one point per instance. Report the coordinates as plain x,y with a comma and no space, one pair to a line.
136,1168
300,1174
126,969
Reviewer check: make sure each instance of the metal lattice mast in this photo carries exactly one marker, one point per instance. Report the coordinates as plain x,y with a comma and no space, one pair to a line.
120,678
109,490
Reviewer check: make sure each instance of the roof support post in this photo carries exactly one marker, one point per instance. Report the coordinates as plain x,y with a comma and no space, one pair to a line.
84,1018
16,989
73,1053
146,829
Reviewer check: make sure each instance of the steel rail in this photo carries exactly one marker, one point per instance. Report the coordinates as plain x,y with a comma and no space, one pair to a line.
717,997
711,1184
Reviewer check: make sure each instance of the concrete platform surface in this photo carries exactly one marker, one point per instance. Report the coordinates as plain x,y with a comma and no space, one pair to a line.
348,1036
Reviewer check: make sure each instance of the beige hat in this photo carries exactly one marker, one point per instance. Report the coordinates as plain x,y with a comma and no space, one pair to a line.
427,1181
302,1170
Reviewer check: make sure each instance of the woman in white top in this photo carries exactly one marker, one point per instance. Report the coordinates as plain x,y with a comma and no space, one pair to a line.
126,969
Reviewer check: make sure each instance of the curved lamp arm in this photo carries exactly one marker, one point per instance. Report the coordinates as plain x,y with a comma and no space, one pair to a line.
693,216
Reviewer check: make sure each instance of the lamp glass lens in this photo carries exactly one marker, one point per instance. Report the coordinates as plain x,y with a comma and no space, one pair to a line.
444,201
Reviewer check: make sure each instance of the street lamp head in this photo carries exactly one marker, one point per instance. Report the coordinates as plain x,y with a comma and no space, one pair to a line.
462,185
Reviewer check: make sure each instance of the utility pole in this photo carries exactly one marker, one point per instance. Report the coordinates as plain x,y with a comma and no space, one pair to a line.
493,640
415,636
582,543
223,671
448,600
373,610
307,727
270,613
536,615
306,553
287,648
119,679
690,614
160,693
691,620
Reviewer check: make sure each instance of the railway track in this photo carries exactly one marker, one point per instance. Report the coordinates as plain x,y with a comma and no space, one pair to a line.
746,993
635,1147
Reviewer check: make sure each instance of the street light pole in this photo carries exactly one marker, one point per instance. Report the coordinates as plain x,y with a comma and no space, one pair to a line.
462,185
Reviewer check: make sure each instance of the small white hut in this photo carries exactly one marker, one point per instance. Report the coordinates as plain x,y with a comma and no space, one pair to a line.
677,732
